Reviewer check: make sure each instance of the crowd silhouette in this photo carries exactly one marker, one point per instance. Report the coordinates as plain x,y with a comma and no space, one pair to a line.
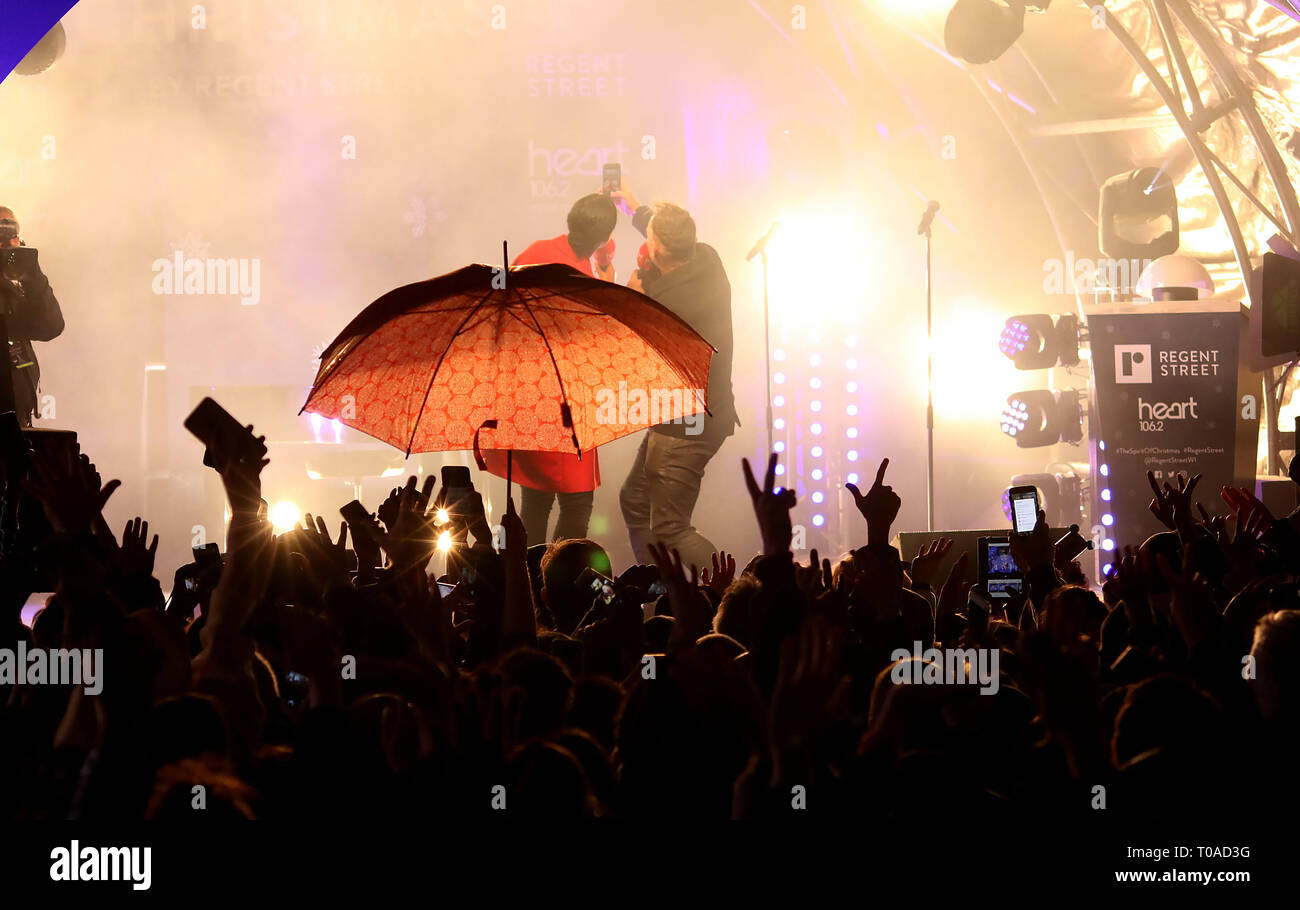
323,674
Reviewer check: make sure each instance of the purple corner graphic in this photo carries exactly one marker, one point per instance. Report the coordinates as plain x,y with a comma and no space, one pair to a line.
25,23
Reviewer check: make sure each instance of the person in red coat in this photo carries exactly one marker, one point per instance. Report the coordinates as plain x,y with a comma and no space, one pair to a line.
544,477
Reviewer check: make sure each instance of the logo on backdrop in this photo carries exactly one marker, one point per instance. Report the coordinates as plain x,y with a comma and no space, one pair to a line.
1132,363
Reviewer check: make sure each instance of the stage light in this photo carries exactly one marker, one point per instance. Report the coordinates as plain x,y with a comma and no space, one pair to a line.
284,516
442,517
851,410
819,520
1038,417
816,451
981,31
852,455
1108,519
779,401
815,360
814,383
778,354
852,477
814,406
817,474
780,470
779,447
444,542
45,53
1030,419
1134,206
851,364
778,424
1108,544
851,432
816,429
818,496
1105,495
851,387
1035,342
778,378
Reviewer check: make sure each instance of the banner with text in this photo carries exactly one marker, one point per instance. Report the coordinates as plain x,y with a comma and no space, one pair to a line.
1171,394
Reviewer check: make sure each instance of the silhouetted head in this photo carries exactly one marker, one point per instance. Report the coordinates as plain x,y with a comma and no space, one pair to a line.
1276,650
560,567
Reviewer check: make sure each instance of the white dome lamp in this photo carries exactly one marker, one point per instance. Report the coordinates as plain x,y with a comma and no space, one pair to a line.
1175,277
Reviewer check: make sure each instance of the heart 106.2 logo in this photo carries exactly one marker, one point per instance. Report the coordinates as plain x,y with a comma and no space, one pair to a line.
1132,363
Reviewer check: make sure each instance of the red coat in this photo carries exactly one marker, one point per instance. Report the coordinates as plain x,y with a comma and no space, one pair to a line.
554,471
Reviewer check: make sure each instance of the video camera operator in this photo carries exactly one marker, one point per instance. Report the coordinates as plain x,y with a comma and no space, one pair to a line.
32,314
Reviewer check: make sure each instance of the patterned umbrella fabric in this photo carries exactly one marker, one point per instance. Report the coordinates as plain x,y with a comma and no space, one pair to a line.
425,365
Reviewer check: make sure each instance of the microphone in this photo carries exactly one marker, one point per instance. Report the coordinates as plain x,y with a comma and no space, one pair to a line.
928,218
763,241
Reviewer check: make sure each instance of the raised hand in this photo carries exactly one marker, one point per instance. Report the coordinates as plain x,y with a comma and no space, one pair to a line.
70,489
690,609
134,558
410,537
1178,502
327,558
1160,505
723,574
925,566
956,589
1253,517
771,508
242,478
814,578
1035,549
879,506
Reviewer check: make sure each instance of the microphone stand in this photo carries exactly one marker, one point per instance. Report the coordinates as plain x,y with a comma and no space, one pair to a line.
927,220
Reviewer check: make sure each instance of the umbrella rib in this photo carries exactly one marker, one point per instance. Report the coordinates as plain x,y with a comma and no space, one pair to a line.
438,366
558,378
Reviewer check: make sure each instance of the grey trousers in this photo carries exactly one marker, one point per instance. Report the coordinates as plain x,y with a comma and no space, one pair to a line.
659,496
535,513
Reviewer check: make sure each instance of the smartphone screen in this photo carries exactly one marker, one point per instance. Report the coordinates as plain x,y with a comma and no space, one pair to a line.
1024,509
611,178
999,574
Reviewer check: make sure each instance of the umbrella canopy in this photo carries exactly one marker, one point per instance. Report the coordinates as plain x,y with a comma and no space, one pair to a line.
425,365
